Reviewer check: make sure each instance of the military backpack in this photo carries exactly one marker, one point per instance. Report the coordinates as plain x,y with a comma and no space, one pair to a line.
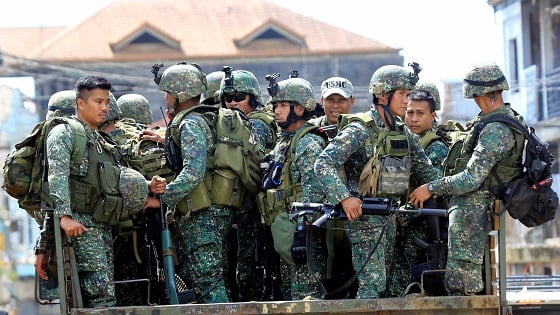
25,168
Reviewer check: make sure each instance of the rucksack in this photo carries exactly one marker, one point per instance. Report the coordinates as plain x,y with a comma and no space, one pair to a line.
529,197
25,168
236,148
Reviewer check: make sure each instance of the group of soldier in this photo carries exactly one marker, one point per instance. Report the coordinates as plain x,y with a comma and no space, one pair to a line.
323,153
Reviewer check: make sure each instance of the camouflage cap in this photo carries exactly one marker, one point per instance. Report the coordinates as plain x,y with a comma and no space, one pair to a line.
243,81
213,81
296,90
134,190
484,78
114,110
183,82
389,78
431,89
135,106
62,104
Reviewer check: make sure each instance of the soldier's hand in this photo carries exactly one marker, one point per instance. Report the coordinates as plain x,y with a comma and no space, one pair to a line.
352,207
151,135
419,195
41,265
157,185
72,227
151,202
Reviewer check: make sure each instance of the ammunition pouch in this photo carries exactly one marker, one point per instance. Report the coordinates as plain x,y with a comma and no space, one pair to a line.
271,203
394,176
199,199
227,189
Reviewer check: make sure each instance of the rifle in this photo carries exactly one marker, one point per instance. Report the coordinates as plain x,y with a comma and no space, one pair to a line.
370,206
178,291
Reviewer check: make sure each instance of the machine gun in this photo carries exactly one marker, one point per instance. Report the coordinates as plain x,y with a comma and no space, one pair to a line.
370,206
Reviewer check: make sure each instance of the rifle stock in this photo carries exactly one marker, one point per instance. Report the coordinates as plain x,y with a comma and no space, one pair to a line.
370,206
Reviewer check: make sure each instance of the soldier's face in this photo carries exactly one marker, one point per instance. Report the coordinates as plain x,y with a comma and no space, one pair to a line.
335,105
94,107
418,117
399,102
239,101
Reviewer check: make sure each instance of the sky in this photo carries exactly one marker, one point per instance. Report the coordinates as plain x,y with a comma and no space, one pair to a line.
443,36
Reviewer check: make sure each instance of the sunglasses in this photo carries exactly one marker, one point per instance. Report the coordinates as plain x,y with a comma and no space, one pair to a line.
238,97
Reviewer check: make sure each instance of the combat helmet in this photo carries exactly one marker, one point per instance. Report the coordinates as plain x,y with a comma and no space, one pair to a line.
183,81
134,190
484,78
213,81
239,81
114,110
391,77
296,90
62,104
431,89
135,106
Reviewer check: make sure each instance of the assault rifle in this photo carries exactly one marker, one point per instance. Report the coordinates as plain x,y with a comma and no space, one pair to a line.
370,206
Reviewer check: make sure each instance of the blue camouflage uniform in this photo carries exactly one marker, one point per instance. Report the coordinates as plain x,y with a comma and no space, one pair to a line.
471,205
349,148
94,252
203,231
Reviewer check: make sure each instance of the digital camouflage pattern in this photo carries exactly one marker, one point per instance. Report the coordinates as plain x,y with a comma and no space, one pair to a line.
134,190
94,254
471,206
203,231
348,150
115,112
303,283
482,79
137,107
243,81
431,89
62,104
213,81
183,82
296,90
389,78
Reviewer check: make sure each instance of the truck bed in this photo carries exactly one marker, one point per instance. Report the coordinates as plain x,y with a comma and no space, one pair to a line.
417,305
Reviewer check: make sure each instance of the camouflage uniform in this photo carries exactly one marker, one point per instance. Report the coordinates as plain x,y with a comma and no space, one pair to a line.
249,235
204,230
94,254
302,281
471,203
348,149
136,107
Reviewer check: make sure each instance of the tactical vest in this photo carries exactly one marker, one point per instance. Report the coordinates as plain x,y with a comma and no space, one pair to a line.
232,165
428,138
268,118
503,172
389,156
275,201
97,192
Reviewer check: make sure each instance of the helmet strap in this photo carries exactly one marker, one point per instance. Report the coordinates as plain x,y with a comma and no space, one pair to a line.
292,118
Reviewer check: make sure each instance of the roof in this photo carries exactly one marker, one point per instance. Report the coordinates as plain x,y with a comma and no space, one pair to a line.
171,30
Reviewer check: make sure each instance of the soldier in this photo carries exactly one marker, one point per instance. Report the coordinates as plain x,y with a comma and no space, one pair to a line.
135,107
421,119
240,89
203,229
62,104
299,145
83,220
352,148
337,99
469,184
